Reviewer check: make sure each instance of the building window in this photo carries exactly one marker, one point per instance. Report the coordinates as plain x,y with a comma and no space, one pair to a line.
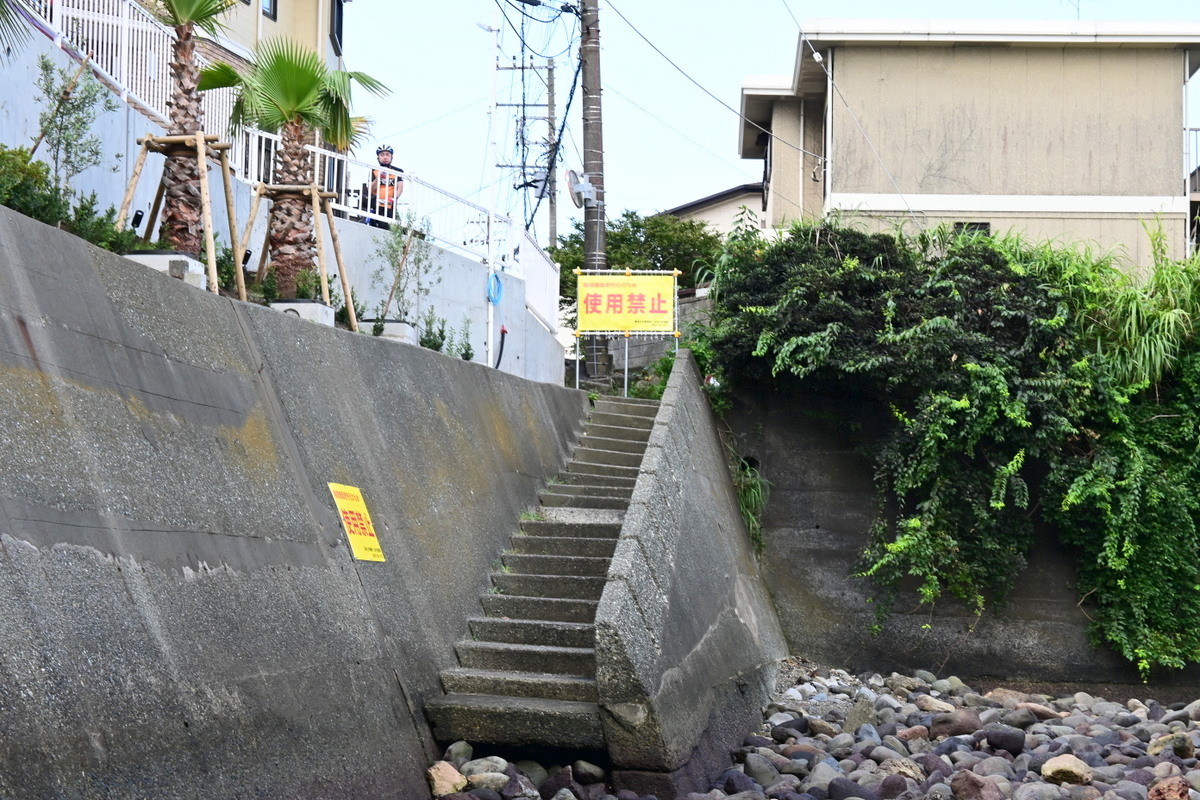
984,228
335,25
271,8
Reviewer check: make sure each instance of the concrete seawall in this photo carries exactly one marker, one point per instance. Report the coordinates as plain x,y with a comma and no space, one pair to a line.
182,614
686,637
816,526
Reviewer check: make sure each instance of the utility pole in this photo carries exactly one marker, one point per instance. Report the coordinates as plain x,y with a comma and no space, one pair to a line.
593,138
552,142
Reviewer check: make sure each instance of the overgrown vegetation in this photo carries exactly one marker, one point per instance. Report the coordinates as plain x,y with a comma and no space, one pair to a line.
1023,383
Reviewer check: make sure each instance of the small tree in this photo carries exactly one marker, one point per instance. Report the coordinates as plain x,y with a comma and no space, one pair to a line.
72,107
407,270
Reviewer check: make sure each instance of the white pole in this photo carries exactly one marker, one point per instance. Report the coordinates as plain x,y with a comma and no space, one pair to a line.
627,363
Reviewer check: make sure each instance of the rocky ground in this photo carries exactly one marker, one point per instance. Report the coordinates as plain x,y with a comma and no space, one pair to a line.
829,735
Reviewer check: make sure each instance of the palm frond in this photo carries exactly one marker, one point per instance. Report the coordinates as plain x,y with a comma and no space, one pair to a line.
204,14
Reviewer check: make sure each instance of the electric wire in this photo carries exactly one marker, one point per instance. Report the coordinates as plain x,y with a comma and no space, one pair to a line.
420,125
878,156
701,87
556,145
517,31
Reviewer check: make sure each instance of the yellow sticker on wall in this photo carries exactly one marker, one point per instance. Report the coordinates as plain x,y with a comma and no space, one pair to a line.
357,521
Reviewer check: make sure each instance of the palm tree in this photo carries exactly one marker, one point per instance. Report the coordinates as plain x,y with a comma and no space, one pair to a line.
12,32
181,176
289,90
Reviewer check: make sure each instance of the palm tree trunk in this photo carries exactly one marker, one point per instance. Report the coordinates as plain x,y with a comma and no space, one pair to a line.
290,229
181,177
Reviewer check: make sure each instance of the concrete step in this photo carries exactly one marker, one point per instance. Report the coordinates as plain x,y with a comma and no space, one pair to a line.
582,501
588,489
595,479
620,420
461,680
591,455
528,631
539,564
628,405
492,719
616,432
564,546
608,470
539,608
590,530
588,515
619,445
579,661
565,587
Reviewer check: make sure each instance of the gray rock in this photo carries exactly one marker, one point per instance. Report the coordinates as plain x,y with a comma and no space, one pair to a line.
760,770
969,786
1005,737
587,773
533,770
521,787
479,765
458,754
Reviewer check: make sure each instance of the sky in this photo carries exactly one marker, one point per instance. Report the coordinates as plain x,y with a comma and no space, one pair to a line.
669,138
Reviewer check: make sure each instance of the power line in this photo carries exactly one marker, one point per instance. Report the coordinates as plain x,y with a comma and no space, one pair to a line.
817,57
702,88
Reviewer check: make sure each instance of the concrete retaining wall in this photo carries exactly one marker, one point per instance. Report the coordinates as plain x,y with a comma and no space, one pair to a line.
182,616
816,525
686,636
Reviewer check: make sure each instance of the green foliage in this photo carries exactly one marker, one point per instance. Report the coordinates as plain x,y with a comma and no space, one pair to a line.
288,84
1023,382
26,187
659,242
71,108
99,228
433,330
460,341
753,490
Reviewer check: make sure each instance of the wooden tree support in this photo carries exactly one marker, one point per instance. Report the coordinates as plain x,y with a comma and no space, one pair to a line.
320,204
201,147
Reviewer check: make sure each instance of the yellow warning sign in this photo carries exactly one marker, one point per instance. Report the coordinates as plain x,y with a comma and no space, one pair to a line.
627,303
357,521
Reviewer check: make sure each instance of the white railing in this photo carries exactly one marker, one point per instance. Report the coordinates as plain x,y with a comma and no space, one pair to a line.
130,51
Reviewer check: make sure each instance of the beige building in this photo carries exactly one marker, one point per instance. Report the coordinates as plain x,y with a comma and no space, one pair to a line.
1067,131
721,210
312,23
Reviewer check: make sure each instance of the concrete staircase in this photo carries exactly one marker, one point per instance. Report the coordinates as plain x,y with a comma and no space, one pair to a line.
527,674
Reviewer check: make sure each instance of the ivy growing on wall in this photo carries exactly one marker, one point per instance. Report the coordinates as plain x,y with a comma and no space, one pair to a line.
1023,382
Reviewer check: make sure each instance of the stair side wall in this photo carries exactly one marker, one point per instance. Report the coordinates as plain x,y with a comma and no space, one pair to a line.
181,612
686,637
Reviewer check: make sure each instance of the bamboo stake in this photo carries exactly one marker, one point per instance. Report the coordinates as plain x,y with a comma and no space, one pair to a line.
206,213
227,180
399,271
337,254
133,182
315,194
245,240
155,210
